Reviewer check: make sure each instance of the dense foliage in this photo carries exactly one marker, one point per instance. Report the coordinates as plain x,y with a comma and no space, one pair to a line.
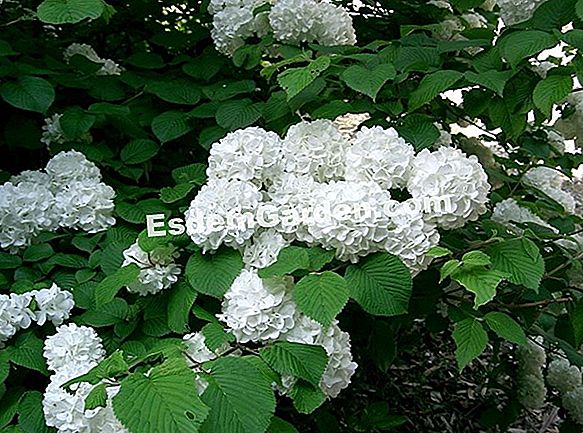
116,111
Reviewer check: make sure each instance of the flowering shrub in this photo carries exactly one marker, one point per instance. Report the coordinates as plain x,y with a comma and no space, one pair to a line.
243,216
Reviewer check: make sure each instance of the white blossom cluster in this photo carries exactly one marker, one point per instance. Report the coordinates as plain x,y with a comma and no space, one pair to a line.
451,27
315,170
290,21
571,127
158,271
71,352
109,67
198,353
566,378
517,11
18,311
509,211
52,131
68,194
550,182
531,384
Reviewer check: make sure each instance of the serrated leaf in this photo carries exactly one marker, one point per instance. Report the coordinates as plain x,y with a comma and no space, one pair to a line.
9,261
419,130
299,360
278,425
579,9
306,397
27,351
321,297
75,122
520,259
69,11
30,413
480,281
381,284
213,274
215,336
295,80
431,86
138,151
112,313
438,252
368,81
522,45
192,173
471,340
505,327
476,258
176,193
35,253
97,397
171,125
177,92
239,396
28,93
551,91
164,400
576,318
491,80
237,114
110,285
448,268
289,260
180,301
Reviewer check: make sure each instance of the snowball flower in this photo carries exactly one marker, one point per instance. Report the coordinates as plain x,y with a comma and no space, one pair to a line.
517,11
315,148
563,376
379,155
109,66
305,330
231,27
335,26
347,217
291,194
53,304
573,403
250,154
73,344
448,176
222,213
531,391
52,131
69,166
157,269
31,176
550,182
258,310
15,314
86,205
531,358
264,249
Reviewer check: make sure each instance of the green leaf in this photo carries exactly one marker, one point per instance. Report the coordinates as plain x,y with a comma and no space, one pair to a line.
138,151
176,193
239,396
471,340
112,313
215,336
550,91
521,260
177,92
576,317
110,285
164,400
431,86
180,301
438,252
368,81
192,173
171,125
480,281
505,327
448,268
278,425
221,91
299,360
306,397
522,45
579,9
75,122
321,297
381,284
294,80
38,252
28,93
237,114
419,130
9,406
111,367
289,260
476,258
491,80
27,351
30,413
97,397
213,274
69,11
319,257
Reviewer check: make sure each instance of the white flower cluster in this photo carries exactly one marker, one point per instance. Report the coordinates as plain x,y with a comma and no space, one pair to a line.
157,269
52,131
566,378
451,27
109,67
291,21
315,169
550,182
509,211
198,353
531,385
71,352
17,311
571,127
69,194
262,310
517,11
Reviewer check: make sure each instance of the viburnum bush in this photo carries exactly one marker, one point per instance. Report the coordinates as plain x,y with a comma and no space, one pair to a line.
142,141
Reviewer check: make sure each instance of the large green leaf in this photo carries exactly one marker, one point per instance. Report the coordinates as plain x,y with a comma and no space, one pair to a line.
28,93
213,274
289,259
506,327
180,301
520,259
381,284
138,151
27,351
294,80
163,400
522,45
299,360
237,114
69,11
491,80
471,339
30,413
110,285
171,125
432,85
551,91
321,296
240,398
480,281
368,81
178,92
306,397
